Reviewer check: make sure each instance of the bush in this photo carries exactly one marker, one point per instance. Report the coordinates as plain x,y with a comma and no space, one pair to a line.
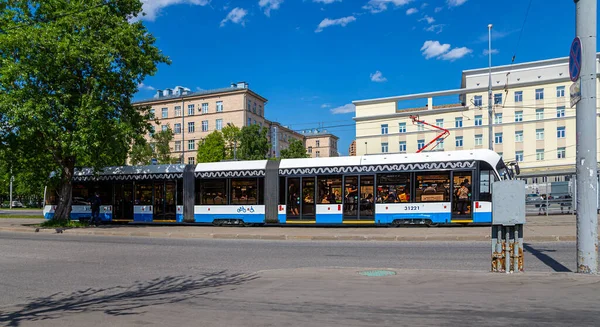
52,223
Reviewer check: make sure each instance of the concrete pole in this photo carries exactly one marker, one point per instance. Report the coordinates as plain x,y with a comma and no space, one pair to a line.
490,121
182,131
12,178
586,165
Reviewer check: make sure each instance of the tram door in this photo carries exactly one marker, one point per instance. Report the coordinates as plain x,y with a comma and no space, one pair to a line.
462,199
308,198
359,198
123,209
159,201
170,200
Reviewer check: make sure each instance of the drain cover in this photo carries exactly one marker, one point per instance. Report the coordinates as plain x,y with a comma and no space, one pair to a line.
377,273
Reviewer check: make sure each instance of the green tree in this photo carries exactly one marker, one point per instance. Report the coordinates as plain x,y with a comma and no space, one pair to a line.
212,149
231,135
68,73
141,153
162,149
254,143
296,149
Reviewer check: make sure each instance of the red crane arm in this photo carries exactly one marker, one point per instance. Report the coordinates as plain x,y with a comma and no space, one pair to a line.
444,132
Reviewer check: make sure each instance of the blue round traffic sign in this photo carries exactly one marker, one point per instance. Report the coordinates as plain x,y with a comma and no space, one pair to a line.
575,59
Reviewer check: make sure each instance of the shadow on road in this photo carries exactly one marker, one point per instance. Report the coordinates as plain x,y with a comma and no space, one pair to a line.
124,300
546,259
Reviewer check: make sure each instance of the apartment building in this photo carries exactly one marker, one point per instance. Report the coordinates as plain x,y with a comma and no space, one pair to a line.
352,148
320,143
533,122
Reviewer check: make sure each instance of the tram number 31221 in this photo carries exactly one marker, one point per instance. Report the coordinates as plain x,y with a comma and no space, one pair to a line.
411,208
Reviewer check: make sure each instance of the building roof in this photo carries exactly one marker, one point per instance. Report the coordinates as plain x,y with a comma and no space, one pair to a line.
200,94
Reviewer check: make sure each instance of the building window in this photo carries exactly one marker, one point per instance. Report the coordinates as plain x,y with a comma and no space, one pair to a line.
317,154
519,156
519,136
205,125
177,128
420,144
249,105
177,145
479,139
177,111
219,124
539,94
458,122
164,128
478,101
310,149
439,123
205,108
384,147
402,146
561,132
254,109
440,144
539,154
561,153
191,145
518,116
560,112
191,127
518,96
420,127
539,134
478,120
560,91
249,121
498,98
318,143
191,109
384,129
402,127
219,106
539,114
498,119
459,141
152,113
498,138
165,113
191,161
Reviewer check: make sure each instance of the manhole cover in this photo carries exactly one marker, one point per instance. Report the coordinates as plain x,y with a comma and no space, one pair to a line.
377,273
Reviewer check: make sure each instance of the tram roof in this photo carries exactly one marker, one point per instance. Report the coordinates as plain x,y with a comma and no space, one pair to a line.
132,170
232,165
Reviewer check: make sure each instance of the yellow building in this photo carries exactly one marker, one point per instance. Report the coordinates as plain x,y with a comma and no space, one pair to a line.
533,122
194,115
320,143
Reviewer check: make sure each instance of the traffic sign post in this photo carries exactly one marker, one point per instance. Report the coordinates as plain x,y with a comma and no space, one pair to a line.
575,59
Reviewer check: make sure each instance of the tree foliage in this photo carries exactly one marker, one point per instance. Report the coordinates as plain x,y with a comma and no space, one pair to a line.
141,153
254,143
68,73
296,149
212,149
231,135
162,148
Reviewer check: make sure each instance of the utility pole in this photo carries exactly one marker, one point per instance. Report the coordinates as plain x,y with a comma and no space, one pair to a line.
182,131
490,121
586,161
12,178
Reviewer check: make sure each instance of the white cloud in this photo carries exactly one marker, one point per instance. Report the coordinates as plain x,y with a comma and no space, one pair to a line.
345,109
143,86
496,35
236,16
430,20
325,105
438,9
456,53
326,2
152,8
436,28
331,22
376,6
378,77
412,11
270,5
431,49
455,3
424,5
486,52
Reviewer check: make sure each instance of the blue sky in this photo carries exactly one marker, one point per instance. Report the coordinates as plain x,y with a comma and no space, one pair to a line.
311,58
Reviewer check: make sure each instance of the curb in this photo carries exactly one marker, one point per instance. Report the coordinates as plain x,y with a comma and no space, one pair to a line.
284,237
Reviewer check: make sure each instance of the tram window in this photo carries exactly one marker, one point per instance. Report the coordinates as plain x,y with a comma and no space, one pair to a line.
243,191
393,188
80,194
213,191
143,194
329,189
180,192
282,190
486,179
261,190
433,187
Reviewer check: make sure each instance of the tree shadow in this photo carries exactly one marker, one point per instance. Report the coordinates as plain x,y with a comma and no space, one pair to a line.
546,259
124,300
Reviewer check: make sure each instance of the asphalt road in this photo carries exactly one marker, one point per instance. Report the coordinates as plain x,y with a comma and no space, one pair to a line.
60,279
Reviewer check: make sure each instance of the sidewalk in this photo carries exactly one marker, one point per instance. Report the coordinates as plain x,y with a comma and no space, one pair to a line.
537,229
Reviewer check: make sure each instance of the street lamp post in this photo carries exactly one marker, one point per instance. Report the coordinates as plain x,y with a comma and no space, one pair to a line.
490,122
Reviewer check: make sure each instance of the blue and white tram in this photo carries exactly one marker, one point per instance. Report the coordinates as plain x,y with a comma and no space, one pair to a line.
426,188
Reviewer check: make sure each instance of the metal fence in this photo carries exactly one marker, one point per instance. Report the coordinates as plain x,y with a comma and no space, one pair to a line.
560,205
